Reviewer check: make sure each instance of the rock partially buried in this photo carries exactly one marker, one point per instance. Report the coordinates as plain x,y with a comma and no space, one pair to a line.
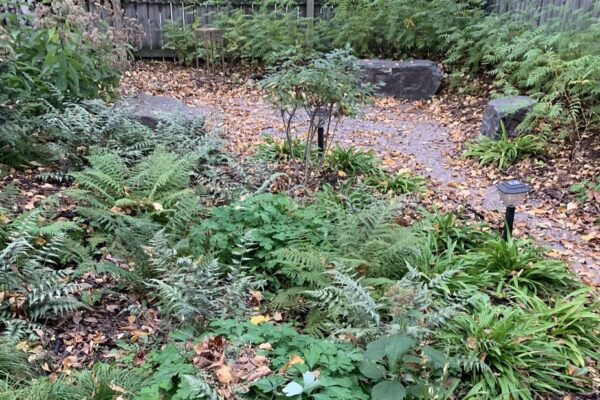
150,110
511,110
413,80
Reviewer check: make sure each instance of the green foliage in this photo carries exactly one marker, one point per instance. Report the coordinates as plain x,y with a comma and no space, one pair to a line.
274,150
14,367
556,63
197,290
102,382
396,28
126,206
503,152
585,190
174,376
54,60
352,161
510,353
271,221
401,368
66,136
396,183
517,263
34,267
266,32
335,361
181,38
325,86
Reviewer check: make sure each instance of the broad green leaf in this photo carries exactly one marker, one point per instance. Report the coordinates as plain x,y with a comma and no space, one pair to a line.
396,346
371,370
388,390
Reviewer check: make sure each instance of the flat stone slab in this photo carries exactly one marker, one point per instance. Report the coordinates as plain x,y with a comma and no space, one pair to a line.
412,80
150,110
510,110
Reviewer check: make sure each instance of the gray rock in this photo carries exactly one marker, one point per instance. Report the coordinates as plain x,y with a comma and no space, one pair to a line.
150,110
511,110
413,80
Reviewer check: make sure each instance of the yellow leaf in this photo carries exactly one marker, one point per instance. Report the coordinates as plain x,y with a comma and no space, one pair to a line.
590,236
224,375
294,359
116,388
22,346
259,319
341,174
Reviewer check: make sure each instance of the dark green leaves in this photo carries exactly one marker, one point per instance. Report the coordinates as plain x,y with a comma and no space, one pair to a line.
388,390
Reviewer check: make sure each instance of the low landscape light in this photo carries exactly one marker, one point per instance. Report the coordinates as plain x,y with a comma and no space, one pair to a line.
512,193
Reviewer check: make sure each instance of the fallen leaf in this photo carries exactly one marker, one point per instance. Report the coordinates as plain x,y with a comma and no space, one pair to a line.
224,375
293,360
259,319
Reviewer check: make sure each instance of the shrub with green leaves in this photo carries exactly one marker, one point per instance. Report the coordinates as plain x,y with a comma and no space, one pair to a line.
510,353
503,152
556,63
396,28
336,362
181,38
397,183
325,86
55,60
271,220
516,263
352,161
266,32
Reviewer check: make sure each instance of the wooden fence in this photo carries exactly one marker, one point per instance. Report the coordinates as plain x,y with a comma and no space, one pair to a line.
154,15
542,11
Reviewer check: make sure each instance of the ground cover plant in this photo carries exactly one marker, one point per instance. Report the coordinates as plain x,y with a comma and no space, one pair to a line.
162,264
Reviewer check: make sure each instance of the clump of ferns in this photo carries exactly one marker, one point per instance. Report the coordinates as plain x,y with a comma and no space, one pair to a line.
197,290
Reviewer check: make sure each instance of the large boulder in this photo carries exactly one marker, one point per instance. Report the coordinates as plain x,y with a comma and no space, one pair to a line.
510,110
150,110
413,80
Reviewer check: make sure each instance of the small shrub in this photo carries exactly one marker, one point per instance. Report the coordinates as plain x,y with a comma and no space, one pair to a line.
326,87
508,353
517,263
275,150
396,183
181,38
335,361
352,161
262,35
272,220
503,152
64,53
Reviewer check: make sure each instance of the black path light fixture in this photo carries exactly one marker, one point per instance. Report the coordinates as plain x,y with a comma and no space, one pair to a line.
512,193
322,116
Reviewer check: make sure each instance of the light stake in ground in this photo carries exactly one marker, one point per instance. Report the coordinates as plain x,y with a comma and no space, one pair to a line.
512,193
